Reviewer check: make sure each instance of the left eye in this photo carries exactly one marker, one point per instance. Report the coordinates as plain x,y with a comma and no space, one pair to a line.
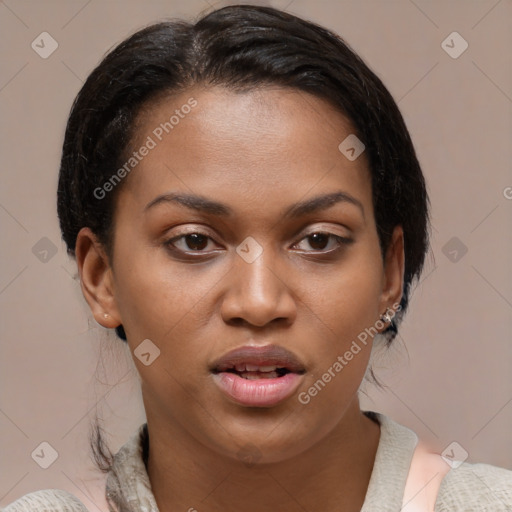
319,241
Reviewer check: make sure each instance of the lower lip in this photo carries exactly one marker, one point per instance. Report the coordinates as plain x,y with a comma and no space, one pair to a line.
257,393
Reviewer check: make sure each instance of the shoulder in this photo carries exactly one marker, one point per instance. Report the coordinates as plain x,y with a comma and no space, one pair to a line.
47,500
475,488
466,488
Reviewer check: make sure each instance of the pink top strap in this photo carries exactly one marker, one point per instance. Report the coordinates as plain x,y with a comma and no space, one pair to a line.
426,473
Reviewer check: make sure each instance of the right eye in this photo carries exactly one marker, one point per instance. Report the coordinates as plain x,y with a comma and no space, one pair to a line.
190,242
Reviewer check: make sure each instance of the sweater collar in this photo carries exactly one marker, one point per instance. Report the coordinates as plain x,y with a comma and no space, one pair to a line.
129,489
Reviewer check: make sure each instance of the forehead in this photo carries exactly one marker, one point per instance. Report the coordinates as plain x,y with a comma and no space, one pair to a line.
268,144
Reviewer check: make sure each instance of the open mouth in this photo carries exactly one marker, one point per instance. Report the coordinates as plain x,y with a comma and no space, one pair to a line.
255,376
257,385
254,372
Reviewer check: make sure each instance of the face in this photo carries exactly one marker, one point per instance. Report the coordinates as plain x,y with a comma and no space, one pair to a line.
245,225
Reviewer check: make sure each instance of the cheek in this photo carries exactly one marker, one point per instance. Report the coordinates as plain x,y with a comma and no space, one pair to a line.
342,312
345,300
169,306
159,299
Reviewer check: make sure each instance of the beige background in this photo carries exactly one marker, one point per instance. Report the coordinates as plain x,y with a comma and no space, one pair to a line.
450,378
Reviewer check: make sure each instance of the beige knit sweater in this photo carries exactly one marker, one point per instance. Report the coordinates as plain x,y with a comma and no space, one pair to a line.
468,488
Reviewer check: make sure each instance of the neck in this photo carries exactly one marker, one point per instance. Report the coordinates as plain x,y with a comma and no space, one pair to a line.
331,475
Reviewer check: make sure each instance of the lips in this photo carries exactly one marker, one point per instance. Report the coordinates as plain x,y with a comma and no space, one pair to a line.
258,376
265,360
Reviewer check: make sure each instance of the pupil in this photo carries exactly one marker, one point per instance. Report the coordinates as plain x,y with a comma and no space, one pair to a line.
195,241
318,239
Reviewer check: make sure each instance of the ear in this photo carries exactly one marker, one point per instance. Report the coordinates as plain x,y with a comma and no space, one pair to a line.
394,265
96,279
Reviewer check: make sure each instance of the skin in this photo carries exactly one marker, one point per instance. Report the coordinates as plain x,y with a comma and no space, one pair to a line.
256,152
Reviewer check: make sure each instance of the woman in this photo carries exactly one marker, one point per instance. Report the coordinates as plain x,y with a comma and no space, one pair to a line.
247,211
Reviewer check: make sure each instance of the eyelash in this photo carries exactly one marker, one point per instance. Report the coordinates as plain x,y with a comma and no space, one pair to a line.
340,241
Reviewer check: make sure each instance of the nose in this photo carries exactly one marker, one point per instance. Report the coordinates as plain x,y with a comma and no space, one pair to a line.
258,293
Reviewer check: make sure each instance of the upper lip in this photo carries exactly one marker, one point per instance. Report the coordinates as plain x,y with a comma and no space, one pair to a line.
268,355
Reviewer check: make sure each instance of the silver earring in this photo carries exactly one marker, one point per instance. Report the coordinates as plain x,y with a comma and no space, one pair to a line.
386,317
105,315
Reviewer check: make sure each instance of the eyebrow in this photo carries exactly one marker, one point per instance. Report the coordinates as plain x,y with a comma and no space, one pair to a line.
202,204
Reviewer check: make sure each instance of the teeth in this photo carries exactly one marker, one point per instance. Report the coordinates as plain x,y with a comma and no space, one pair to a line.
268,368
259,376
254,368
252,377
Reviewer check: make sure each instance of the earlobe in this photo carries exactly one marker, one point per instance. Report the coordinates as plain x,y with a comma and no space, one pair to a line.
394,265
96,278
